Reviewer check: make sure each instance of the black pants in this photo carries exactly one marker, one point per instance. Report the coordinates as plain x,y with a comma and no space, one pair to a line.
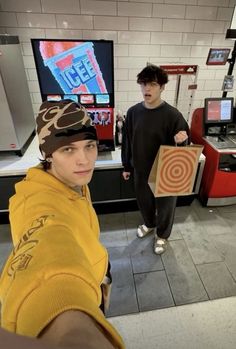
156,212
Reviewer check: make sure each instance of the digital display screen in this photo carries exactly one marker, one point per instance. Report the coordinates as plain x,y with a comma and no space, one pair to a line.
87,99
72,97
218,56
74,67
219,110
102,99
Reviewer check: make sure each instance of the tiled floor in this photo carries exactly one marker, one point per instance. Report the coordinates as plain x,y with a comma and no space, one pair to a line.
198,266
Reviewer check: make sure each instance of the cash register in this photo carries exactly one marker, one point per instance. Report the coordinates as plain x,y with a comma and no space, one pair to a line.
214,126
218,122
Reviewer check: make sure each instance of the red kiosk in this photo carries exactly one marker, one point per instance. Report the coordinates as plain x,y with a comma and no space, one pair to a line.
215,127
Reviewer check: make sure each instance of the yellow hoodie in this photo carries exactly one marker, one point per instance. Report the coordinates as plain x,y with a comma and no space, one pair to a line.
57,262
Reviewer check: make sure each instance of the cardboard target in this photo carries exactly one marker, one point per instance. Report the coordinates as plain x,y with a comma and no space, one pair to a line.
174,170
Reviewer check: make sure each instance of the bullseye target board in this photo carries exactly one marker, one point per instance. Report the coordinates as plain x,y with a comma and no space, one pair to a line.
174,170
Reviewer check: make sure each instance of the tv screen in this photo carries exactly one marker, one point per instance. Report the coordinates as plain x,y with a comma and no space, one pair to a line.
75,67
219,110
217,56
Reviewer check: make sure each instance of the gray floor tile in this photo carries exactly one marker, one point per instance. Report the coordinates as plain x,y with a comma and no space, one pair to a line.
153,291
143,258
230,218
114,238
184,280
133,219
217,280
5,249
123,295
112,222
201,247
226,245
5,233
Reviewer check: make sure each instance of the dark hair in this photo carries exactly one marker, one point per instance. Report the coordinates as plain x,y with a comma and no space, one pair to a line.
46,164
152,73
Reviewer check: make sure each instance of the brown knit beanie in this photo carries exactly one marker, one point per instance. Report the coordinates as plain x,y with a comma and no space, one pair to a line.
60,123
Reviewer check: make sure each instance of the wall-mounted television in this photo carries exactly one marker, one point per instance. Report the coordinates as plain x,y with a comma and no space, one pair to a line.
218,110
82,70
217,56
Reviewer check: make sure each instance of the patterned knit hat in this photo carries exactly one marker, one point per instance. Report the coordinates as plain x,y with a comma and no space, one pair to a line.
60,123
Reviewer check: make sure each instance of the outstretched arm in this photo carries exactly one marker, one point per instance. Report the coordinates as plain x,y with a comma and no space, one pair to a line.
70,330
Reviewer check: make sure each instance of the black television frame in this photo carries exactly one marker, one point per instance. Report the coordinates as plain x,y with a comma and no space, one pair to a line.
219,122
225,51
39,65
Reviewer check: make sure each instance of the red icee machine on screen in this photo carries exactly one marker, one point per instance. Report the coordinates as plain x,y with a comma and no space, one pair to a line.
214,126
81,70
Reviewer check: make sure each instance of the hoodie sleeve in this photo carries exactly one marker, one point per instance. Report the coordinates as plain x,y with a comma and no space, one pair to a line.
126,148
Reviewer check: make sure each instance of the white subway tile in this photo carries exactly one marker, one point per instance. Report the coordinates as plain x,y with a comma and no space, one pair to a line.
199,51
178,25
165,60
100,35
63,34
36,109
182,2
33,20
193,60
36,97
60,6
144,50
173,51
21,6
220,74
213,85
8,19
209,27
150,1
224,14
213,2
131,62
149,24
219,40
121,50
197,39
32,74
74,22
168,11
127,86
90,7
29,62
27,49
34,86
121,96
166,38
121,74
26,34
135,96
201,12
205,74
111,23
133,37
134,9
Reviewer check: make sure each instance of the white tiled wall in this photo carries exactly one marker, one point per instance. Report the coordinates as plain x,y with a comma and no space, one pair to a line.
157,31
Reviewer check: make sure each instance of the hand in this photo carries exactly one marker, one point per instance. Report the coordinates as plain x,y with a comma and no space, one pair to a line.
126,175
180,137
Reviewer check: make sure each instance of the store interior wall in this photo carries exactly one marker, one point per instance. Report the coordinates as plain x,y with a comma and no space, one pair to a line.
156,31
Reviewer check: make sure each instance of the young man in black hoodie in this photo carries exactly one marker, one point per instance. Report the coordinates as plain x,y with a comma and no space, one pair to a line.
148,125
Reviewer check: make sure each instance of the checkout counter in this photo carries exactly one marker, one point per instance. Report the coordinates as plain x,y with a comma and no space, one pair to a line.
109,191
214,126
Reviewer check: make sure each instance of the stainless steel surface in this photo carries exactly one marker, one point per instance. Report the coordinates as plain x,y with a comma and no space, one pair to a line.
17,117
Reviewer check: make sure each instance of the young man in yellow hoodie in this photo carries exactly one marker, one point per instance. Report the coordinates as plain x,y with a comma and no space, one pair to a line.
51,285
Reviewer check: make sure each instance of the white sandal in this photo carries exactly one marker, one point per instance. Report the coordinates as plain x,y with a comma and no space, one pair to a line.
160,245
143,230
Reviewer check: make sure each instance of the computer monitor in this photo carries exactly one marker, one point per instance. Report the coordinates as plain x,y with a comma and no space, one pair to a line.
80,69
218,110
